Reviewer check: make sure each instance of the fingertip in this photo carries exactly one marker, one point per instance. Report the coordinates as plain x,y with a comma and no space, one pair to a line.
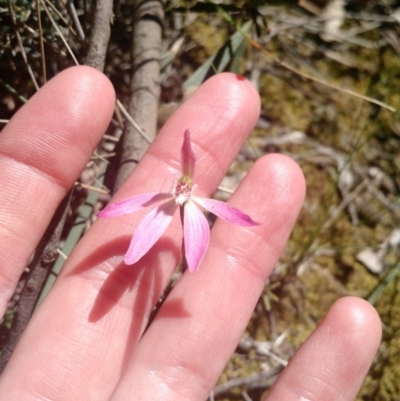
82,73
227,104
358,318
335,359
237,86
281,175
82,89
88,78
67,116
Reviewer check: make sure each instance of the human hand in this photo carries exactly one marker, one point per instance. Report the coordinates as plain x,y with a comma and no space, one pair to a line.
85,341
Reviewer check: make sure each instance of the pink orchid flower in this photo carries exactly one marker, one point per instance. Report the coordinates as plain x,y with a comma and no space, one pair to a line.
196,230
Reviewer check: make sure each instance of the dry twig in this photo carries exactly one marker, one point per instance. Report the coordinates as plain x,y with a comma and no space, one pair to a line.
100,36
40,268
145,85
257,380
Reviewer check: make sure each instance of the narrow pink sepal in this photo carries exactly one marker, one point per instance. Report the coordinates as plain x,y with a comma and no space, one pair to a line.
132,204
225,211
149,231
196,233
188,159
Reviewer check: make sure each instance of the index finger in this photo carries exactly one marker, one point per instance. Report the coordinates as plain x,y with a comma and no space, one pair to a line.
43,149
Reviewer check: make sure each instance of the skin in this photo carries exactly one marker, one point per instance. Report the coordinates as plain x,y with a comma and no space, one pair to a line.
85,341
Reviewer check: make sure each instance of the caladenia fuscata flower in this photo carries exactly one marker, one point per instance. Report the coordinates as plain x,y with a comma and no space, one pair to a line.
196,230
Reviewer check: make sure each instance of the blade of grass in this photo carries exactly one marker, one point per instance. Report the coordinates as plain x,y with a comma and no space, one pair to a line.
74,235
219,60
380,289
13,91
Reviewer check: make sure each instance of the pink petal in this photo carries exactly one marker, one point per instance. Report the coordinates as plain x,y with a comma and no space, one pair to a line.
132,204
149,231
188,159
196,233
225,211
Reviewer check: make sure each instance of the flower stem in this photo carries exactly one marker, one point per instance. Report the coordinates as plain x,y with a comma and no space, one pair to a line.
184,261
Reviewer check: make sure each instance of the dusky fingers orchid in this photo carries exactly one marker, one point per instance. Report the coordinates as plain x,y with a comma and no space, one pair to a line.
196,230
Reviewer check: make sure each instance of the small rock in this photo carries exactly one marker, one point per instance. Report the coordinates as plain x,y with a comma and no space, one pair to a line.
394,238
370,260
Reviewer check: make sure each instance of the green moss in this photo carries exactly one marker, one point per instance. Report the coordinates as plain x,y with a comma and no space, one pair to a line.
206,35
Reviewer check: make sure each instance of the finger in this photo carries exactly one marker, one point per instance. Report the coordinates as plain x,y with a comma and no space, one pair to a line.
43,149
91,321
198,327
332,364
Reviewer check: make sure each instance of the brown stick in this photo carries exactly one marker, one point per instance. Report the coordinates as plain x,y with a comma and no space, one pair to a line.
100,35
40,268
145,85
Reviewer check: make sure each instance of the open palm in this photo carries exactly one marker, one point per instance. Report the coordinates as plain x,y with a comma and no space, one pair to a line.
85,341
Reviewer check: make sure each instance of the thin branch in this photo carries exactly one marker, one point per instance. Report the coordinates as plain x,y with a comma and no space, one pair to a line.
62,254
100,36
40,268
92,188
225,189
257,380
42,54
145,86
132,121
